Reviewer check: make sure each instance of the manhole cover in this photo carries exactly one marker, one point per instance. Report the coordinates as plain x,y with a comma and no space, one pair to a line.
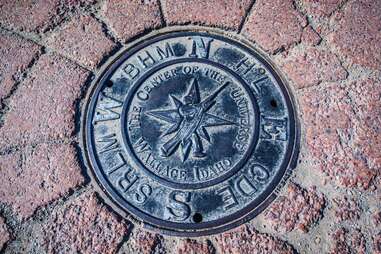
189,131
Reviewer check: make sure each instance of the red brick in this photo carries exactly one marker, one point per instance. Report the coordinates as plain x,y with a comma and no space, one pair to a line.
342,125
298,210
36,176
36,15
83,40
357,33
226,14
189,246
16,54
377,243
84,226
348,242
130,18
248,240
274,24
143,242
376,218
346,208
311,66
30,15
43,107
321,8
4,233
310,37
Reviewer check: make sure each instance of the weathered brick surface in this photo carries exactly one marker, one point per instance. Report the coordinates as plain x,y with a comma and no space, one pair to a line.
274,24
343,130
130,18
43,107
357,33
332,60
84,226
16,54
377,243
298,210
190,246
82,39
348,242
36,15
246,239
4,233
33,177
310,37
321,8
346,208
377,218
311,67
29,15
227,14
142,241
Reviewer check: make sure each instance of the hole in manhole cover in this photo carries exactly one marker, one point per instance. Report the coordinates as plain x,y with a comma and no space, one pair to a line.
191,132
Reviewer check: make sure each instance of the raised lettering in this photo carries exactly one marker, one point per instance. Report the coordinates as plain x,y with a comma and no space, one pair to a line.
246,64
131,71
144,191
273,128
120,164
178,207
147,59
106,109
245,187
141,146
111,143
168,51
228,197
259,173
201,47
127,180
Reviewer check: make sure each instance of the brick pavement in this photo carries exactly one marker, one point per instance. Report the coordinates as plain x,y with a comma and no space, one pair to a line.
330,53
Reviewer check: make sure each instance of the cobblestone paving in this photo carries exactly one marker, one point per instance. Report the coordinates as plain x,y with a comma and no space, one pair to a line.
330,53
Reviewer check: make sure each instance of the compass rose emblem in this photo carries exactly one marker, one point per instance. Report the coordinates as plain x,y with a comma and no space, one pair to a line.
189,120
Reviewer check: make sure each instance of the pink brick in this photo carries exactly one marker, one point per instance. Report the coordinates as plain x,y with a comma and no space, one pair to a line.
299,209
246,239
130,18
82,40
310,36
190,246
321,8
43,107
356,33
33,177
16,55
377,243
226,14
84,226
274,24
342,125
29,15
346,241
311,67
143,242
346,208
4,233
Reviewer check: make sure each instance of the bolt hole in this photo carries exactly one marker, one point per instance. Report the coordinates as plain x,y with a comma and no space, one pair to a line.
109,83
273,103
197,217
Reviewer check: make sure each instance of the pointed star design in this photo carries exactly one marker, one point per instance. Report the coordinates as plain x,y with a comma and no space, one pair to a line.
189,120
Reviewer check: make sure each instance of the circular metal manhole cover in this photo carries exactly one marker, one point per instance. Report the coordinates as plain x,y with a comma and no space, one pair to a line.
190,131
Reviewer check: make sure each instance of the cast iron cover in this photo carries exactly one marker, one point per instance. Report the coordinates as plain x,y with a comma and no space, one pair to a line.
191,132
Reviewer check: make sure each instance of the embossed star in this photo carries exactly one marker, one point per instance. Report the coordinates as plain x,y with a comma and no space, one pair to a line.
189,120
